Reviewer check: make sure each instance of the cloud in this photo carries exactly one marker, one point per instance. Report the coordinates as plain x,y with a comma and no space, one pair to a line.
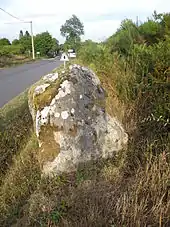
100,18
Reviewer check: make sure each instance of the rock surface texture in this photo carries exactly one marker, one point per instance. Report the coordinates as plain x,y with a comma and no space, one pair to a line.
72,126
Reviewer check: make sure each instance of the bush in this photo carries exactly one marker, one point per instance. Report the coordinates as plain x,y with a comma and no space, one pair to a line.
10,50
132,189
90,52
134,69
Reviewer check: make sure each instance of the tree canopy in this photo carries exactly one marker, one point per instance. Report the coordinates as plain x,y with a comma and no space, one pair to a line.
45,44
15,42
72,31
4,41
21,34
27,33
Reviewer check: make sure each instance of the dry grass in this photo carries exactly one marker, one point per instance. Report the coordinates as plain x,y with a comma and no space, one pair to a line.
120,192
15,129
14,60
99,194
19,182
116,80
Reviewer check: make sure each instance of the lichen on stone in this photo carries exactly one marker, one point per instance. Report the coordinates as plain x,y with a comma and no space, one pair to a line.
42,100
41,88
51,77
71,122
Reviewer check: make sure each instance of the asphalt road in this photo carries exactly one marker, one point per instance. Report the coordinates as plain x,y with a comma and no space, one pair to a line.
15,80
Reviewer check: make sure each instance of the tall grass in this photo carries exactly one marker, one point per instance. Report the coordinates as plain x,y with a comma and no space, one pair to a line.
15,129
138,93
19,182
131,189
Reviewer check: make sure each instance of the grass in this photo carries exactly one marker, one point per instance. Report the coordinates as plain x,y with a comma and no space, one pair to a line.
13,61
98,194
131,189
19,182
15,129
110,75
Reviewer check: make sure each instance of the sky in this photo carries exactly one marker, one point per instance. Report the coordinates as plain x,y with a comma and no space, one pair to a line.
101,18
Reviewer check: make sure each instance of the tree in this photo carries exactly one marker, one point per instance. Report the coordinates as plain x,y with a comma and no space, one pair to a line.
15,42
72,30
151,31
125,37
165,23
21,34
4,42
55,46
25,41
44,43
27,34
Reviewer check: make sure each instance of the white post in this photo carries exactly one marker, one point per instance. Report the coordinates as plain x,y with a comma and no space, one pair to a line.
32,39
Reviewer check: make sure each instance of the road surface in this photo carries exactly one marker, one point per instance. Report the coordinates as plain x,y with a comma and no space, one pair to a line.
15,80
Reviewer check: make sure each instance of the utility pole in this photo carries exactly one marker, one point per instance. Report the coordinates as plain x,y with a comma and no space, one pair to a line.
32,40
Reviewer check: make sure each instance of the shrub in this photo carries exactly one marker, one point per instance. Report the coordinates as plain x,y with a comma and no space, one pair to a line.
10,50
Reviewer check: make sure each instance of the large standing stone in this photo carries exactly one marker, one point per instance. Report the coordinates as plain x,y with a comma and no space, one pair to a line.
71,122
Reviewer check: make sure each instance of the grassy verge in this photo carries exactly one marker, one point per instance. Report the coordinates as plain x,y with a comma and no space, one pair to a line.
20,181
6,62
131,189
15,129
98,194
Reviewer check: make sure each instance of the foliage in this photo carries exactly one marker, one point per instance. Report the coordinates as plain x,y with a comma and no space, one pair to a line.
90,52
12,49
136,70
125,37
72,43
72,27
72,30
20,50
15,42
21,34
27,34
151,31
25,41
14,120
12,55
55,48
4,42
45,44
132,189
20,181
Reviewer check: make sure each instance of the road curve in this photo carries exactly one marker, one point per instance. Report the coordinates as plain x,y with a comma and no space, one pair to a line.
15,80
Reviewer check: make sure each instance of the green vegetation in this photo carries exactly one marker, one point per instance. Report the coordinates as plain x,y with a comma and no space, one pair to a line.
19,51
15,129
133,188
4,42
72,30
133,66
44,43
11,54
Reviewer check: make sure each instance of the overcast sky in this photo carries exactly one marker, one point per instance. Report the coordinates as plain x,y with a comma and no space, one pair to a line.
101,18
